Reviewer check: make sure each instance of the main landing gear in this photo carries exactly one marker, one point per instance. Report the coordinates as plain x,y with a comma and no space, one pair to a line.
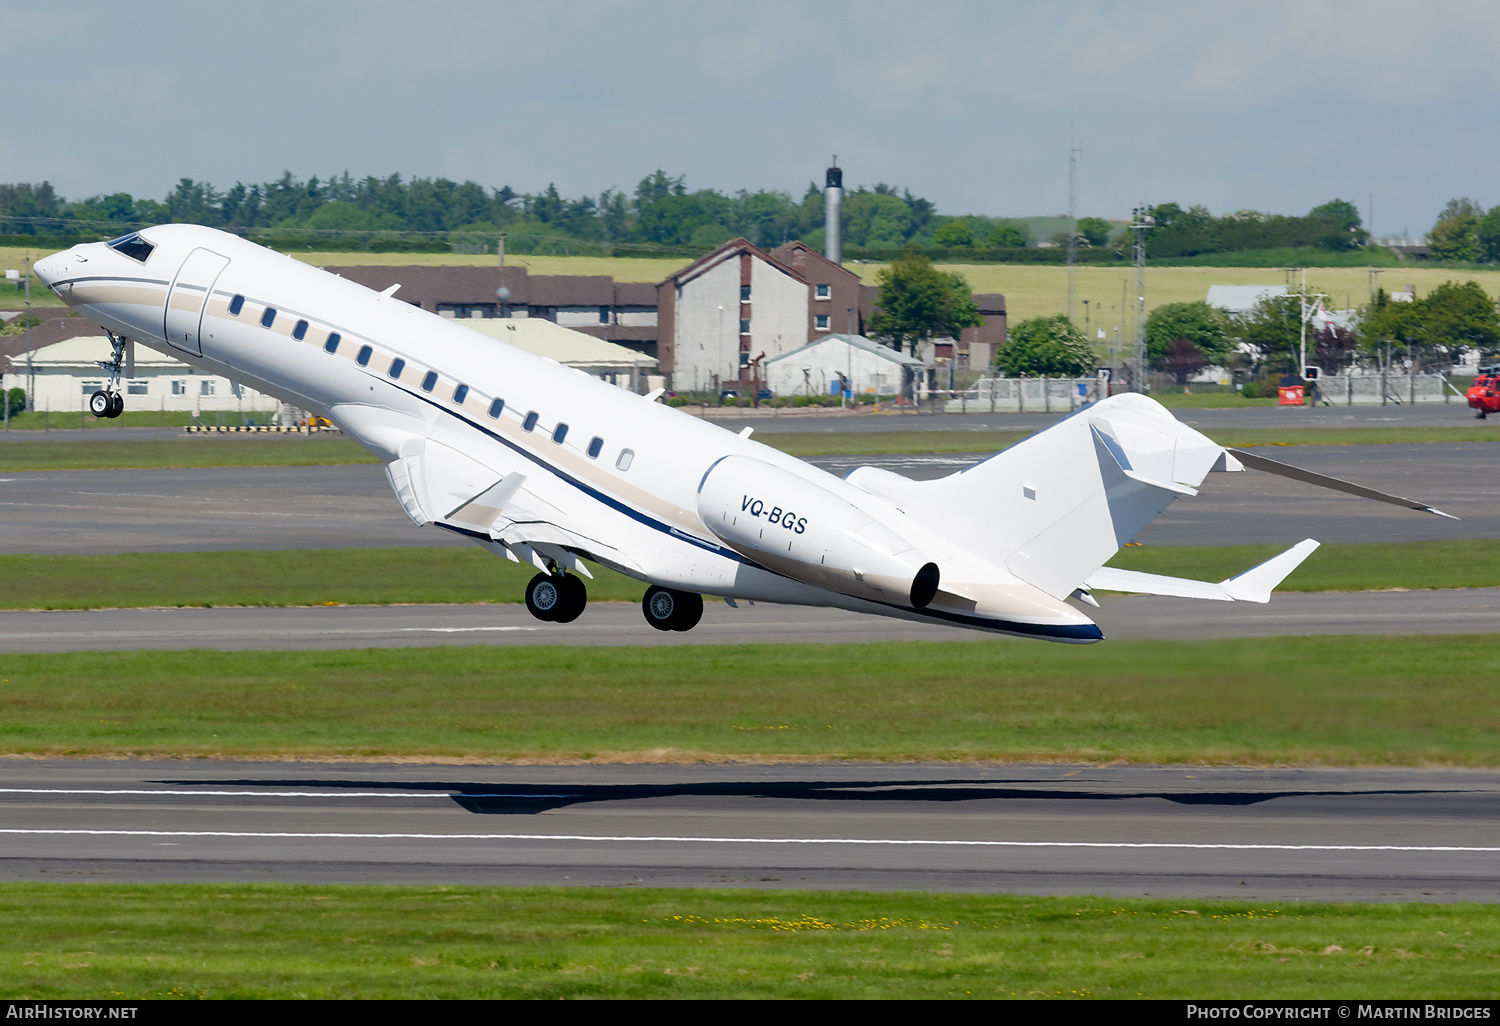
557,598
669,610
108,402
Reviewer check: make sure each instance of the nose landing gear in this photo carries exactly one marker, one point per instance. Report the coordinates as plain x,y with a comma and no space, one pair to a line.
108,402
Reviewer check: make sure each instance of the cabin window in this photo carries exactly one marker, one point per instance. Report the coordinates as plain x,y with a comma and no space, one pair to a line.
559,433
299,330
363,359
429,381
397,366
332,345
236,305
460,394
268,317
530,422
626,456
496,407
132,245
596,447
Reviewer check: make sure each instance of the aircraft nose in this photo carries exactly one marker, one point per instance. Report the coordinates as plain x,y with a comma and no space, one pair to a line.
50,269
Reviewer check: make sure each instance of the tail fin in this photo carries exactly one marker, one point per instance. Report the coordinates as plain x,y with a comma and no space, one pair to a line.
1053,508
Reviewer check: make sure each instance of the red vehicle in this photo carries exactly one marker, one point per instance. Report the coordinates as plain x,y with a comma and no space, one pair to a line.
1484,394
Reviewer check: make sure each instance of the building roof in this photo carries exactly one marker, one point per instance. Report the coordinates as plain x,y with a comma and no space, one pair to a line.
86,351
566,346
712,259
1241,299
858,342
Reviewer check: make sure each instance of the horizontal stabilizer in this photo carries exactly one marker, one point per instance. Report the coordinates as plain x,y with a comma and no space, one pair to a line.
1270,466
1254,585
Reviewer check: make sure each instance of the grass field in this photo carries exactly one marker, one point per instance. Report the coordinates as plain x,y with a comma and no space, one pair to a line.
101,451
1031,290
1342,701
464,575
214,941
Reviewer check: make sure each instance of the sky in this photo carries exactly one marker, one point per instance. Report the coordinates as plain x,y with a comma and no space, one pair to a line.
1274,105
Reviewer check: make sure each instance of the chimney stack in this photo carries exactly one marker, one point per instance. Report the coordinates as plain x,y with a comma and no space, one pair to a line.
833,203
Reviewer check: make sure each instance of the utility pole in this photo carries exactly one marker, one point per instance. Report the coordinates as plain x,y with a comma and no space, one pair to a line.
30,372
1141,222
1073,152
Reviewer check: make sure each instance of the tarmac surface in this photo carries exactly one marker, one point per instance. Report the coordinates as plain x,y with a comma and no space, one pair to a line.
1250,834
98,512
1457,611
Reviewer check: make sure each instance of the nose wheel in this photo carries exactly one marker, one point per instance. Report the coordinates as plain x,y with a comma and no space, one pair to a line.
556,598
669,610
108,402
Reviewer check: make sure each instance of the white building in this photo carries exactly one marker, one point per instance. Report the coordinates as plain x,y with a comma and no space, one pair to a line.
863,365
618,365
68,372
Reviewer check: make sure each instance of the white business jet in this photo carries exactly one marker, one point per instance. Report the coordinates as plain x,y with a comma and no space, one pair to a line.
545,465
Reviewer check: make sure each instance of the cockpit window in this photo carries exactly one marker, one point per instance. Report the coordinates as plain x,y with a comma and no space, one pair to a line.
132,245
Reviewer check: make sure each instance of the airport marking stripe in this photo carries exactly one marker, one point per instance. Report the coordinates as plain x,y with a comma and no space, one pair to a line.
278,794
615,839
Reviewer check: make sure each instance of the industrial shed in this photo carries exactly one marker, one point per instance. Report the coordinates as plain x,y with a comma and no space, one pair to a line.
859,363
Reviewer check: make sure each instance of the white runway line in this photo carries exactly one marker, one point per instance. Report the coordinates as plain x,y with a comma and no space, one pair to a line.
617,839
278,794
463,630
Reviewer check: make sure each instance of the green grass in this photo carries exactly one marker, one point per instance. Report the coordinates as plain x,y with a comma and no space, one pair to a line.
1370,566
871,443
58,420
135,942
102,452
465,575
279,578
1279,701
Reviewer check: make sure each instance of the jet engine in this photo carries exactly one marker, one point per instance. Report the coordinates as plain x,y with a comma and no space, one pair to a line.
795,527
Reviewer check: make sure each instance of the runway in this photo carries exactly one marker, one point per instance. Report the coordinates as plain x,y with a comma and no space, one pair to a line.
101,512
1459,611
1255,835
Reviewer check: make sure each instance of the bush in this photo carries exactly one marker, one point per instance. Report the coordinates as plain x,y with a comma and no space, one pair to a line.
1250,390
15,401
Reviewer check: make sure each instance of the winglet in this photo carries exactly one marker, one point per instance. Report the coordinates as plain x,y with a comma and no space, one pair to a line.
653,395
1257,583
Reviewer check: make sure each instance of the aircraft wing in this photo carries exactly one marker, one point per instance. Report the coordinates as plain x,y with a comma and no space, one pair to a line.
1254,585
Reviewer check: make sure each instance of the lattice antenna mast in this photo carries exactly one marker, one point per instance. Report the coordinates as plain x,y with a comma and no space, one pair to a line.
1141,222
1073,153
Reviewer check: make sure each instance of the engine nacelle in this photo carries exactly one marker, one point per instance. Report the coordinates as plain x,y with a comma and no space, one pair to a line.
797,528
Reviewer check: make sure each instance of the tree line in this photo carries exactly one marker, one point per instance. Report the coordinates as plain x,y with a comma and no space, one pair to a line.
661,212
1430,333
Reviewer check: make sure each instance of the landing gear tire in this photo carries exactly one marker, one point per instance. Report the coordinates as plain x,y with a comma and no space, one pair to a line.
574,597
556,598
669,610
116,405
100,403
544,599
